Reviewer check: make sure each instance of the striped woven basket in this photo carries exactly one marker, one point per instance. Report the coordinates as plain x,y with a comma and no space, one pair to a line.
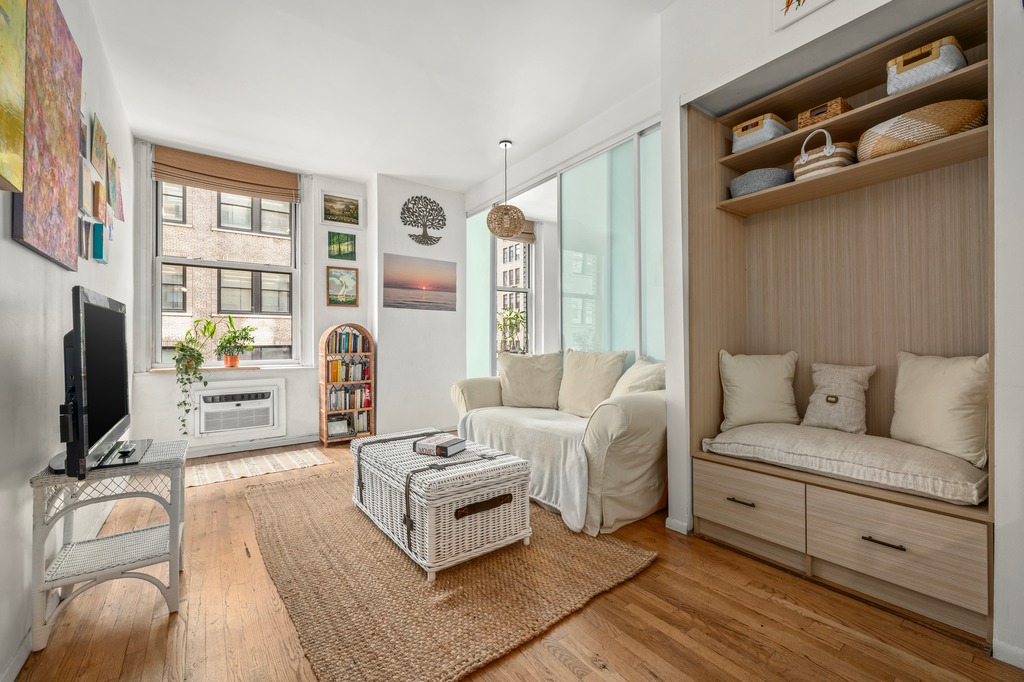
823,160
929,123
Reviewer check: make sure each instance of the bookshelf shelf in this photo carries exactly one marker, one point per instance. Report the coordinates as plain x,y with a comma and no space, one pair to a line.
348,372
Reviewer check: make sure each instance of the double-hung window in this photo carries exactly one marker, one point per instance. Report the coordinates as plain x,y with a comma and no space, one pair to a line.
513,288
235,256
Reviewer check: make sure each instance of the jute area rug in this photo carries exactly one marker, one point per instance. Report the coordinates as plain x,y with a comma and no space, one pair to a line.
364,611
257,465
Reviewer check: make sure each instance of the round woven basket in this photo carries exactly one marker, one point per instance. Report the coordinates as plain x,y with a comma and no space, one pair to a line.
759,179
927,124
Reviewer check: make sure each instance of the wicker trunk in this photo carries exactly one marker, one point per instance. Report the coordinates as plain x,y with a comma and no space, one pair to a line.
442,510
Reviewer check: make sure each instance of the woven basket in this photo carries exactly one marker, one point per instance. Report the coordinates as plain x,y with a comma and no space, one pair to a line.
822,112
823,160
929,123
924,64
757,131
759,179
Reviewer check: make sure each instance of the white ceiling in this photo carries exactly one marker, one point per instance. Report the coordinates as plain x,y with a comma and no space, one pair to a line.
420,89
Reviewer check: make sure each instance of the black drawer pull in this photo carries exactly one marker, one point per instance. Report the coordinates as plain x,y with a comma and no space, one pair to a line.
882,542
745,504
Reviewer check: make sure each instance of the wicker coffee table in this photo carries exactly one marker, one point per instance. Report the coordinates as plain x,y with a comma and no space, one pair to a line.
442,510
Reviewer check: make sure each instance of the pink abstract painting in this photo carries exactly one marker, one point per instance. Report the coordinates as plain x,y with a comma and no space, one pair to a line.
46,213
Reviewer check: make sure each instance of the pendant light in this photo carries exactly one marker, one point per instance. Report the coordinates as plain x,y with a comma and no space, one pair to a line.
505,221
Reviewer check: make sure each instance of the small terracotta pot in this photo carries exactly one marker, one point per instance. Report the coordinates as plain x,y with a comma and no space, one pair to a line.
231,361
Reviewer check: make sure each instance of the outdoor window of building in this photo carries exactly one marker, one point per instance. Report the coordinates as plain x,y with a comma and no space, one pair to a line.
172,288
238,212
238,258
173,201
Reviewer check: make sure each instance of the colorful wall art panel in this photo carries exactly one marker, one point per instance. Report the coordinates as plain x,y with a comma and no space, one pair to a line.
12,94
99,147
46,213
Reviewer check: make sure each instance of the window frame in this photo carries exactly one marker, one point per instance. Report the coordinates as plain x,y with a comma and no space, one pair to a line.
509,292
256,295
154,249
183,285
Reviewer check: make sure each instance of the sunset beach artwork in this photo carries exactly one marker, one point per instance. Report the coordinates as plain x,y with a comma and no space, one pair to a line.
418,283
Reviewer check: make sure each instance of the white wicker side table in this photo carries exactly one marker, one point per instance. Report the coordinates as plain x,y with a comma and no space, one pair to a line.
159,476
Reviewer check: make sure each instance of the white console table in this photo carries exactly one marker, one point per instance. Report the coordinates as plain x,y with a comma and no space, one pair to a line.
159,476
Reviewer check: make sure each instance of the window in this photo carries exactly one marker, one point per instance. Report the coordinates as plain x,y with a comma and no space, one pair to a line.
259,293
172,288
173,202
265,216
513,294
504,278
504,255
238,258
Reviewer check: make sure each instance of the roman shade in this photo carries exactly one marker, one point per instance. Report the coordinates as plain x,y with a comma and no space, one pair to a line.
527,236
222,175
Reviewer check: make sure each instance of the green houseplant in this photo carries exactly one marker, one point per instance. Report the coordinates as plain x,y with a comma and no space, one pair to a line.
188,364
510,323
234,341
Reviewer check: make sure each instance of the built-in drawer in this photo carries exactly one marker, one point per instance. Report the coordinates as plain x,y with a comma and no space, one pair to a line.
934,554
764,506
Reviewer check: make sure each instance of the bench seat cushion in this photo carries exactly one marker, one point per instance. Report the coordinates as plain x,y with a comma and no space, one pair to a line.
871,460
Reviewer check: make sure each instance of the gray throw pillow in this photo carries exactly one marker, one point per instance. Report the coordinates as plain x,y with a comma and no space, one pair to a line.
838,399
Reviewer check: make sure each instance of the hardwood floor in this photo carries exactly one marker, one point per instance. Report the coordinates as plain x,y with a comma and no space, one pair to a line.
701,612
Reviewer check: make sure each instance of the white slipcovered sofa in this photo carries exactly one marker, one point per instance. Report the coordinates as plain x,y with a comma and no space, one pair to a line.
601,471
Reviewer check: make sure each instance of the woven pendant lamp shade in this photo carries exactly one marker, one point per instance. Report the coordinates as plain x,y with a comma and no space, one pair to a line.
505,221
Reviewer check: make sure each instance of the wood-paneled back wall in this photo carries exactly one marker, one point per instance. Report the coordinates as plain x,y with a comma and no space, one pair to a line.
849,279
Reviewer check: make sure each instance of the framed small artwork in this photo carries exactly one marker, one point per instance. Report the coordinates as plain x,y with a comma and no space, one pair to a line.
99,201
342,286
84,238
341,246
785,12
111,180
99,147
83,138
336,209
85,188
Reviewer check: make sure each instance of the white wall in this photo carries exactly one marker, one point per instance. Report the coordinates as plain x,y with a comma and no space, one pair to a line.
420,353
1008,102
36,304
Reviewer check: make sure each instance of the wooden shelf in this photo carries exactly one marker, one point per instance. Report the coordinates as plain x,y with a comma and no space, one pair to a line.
866,70
354,409
949,150
967,83
348,383
332,338
346,355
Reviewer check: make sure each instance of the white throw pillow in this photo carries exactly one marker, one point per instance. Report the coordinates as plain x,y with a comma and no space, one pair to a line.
757,389
642,376
530,380
838,399
942,403
587,379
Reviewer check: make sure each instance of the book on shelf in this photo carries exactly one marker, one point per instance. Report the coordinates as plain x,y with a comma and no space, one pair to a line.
347,342
441,445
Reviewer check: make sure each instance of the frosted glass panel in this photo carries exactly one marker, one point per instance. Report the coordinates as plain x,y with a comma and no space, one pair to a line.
599,278
652,280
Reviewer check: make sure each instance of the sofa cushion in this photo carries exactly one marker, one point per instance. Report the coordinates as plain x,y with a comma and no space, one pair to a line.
642,376
530,380
587,379
838,399
942,403
757,389
871,460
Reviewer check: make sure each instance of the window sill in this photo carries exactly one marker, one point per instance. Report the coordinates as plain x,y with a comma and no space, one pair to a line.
240,368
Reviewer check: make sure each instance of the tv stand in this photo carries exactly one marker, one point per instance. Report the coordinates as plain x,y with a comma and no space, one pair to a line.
77,566
121,453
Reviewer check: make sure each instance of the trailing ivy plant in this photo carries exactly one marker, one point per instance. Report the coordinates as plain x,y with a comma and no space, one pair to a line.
188,365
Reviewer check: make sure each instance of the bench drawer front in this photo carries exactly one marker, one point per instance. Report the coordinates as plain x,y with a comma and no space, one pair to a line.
937,555
757,504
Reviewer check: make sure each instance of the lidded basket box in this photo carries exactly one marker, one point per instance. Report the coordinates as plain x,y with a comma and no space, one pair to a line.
441,510
924,64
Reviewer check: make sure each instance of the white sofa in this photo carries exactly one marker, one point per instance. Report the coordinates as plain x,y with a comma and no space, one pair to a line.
623,442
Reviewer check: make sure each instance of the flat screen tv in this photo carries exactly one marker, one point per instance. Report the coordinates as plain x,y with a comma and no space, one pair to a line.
95,413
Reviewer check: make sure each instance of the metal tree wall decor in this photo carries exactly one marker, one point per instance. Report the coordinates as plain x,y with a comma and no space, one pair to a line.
426,214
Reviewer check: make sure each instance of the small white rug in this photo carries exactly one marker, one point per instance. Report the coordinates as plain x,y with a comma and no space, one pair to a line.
257,465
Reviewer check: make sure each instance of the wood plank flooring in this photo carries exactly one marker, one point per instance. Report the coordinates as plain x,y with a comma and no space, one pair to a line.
701,612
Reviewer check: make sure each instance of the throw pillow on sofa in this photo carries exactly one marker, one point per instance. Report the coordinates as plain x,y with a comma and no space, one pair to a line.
530,380
758,389
587,379
641,376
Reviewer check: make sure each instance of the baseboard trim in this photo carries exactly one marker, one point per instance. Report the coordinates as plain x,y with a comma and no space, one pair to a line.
239,446
17,661
1008,653
678,526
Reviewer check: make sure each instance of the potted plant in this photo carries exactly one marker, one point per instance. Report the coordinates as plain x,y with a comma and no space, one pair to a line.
188,364
510,323
235,340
